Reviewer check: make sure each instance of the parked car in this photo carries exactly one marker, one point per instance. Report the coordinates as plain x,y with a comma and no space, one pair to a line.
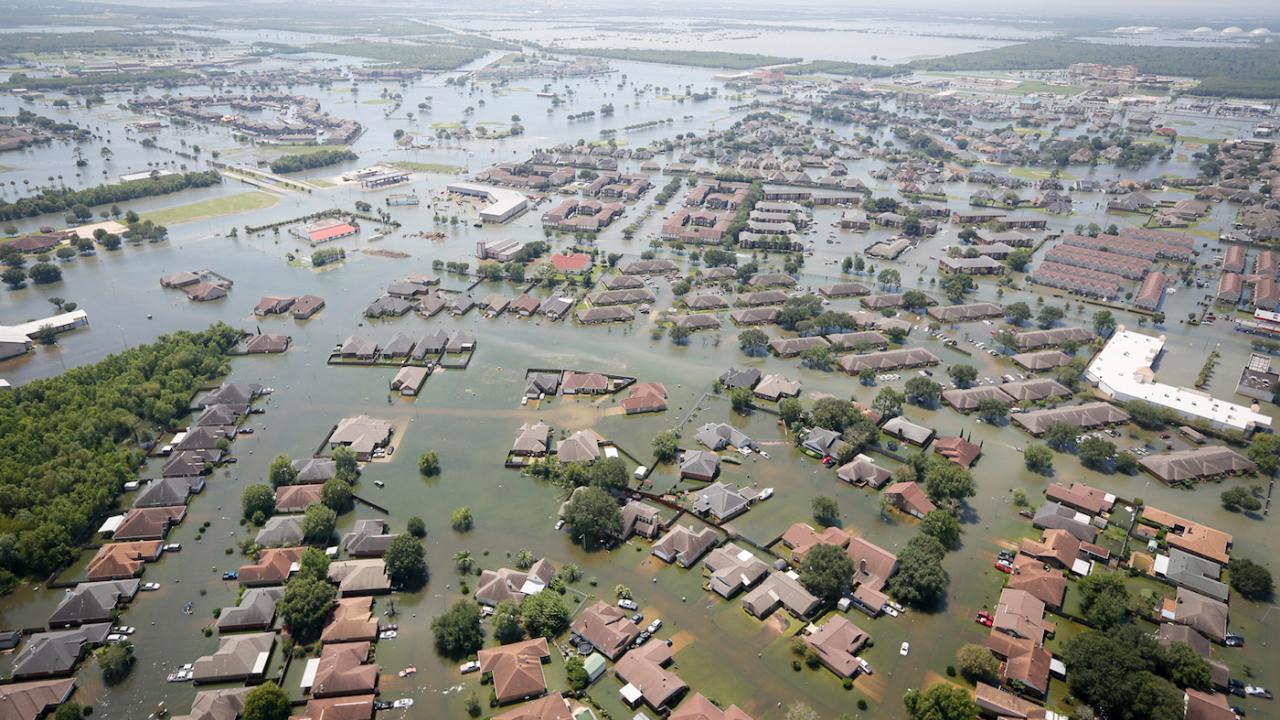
984,618
231,575
149,586
116,637
889,611
1256,691
655,626
866,666
637,618
627,604
1004,566
173,547
124,629
469,666
906,648
1234,641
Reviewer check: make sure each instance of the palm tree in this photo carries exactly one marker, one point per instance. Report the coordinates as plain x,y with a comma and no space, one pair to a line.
462,560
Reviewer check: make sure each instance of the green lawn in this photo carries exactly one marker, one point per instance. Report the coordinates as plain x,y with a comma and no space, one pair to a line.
302,149
216,207
1028,173
440,168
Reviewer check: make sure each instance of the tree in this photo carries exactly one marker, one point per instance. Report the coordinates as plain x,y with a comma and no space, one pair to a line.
914,300
889,278
544,614
1104,323
313,563
1095,452
947,482
867,376
45,335
992,410
14,277
416,527
576,674
281,471
594,516
115,661
740,400
1250,579
753,341
956,286
800,711
1006,339
1017,313
888,402
1038,458
826,511
344,460
963,375
337,495
1060,436
257,502
679,334
977,664
1126,462
266,702
826,572
1048,315
43,273
666,445
305,606
1148,415
1104,599
833,414
923,391
457,632
1019,259
817,358
405,561
1114,673
318,523
940,702
1240,498
506,622
429,464
69,711
943,526
790,410
921,580
1264,451
609,474
461,520
1184,667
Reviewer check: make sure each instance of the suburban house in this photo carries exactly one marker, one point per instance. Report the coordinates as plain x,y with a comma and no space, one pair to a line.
684,546
720,501
837,643
516,669
910,498
606,628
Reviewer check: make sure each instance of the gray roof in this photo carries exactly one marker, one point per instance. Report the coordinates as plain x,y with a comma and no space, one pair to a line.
224,704
717,436
1196,463
683,545
238,657
315,470
1087,415
56,653
538,383
1043,360
1203,613
888,360
280,531
368,539
1196,573
398,346
721,501
166,492
700,464
1056,516
904,429
824,441
256,609
92,602
733,377
229,393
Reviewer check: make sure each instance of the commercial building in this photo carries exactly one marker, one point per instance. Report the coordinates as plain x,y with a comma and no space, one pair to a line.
503,204
1124,370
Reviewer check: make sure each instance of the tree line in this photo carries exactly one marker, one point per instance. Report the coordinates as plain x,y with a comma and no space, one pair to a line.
307,161
60,200
72,441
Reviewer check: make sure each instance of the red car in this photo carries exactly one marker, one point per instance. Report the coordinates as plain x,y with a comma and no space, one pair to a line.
1004,566
984,618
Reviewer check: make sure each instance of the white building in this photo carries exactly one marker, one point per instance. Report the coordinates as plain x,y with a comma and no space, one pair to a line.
1124,370
504,204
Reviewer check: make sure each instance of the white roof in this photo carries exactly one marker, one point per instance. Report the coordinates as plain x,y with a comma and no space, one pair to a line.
1123,370
1081,567
309,674
631,694
1162,565
503,200
70,319
111,524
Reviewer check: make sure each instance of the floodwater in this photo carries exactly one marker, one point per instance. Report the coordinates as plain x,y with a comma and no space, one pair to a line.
470,416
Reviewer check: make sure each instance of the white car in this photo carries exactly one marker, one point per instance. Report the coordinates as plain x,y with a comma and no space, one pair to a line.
123,630
402,703
627,604
655,625
117,637
388,634
889,611
173,547
766,493
866,666
896,606
149,586
469,667
906,648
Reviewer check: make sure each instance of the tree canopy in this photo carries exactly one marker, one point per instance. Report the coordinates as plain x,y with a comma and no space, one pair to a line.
457,632
826,572
594,516
406,561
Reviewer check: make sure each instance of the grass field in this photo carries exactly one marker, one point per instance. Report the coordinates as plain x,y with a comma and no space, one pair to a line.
216,207
302,149
440,168
1027,173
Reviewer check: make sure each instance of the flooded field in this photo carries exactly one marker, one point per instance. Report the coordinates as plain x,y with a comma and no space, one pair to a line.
470,417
